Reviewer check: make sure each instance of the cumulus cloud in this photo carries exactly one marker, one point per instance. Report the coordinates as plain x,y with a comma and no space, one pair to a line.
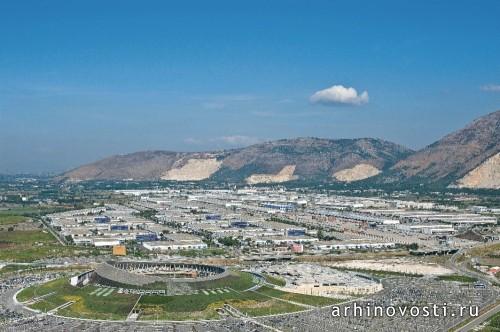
491,87
339,95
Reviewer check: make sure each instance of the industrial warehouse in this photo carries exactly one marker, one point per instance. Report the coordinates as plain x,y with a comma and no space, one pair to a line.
270,221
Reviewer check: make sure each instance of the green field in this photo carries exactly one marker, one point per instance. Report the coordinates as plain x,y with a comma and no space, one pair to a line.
197,306
236,280
105,303
316,301
493,324
202,253
380,273
203,306
32,245
269,307
86,303
274,280
14,268
10,219
27,245
33,211
22,240
459,278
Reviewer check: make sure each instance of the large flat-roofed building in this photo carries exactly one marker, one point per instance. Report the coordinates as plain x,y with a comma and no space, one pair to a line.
335,245
174,245
106,242
177,241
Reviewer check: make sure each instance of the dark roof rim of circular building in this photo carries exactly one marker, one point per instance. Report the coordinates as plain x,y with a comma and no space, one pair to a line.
108,270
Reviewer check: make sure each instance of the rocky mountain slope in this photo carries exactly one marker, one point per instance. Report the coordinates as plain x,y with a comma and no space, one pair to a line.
270,162
486,175
456,156
469,158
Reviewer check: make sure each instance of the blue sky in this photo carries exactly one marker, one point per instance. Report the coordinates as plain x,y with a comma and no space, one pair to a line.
81,80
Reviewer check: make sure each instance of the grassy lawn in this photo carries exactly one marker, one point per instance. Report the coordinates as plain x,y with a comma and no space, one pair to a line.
456,277
28,242
201,306
317,301
32,245
379,273
9,219
87,305
196,306
26,246
202,253
269,307
90,302
493,324
486,250
14,268
274,280
236,280
33,211
115,306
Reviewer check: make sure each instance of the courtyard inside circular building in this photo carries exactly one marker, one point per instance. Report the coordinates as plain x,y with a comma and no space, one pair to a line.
166,291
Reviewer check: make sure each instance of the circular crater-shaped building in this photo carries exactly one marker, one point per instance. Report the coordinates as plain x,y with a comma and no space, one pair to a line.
173,278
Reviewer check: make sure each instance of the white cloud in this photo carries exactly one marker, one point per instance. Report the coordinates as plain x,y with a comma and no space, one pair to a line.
339,95
491,87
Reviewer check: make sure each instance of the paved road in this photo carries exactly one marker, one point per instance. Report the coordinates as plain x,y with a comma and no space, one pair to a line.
459,267
49,228
479,320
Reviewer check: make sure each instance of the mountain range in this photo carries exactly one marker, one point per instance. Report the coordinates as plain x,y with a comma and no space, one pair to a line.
469,157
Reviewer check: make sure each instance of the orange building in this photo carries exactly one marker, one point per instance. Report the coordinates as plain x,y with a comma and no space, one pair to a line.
119,250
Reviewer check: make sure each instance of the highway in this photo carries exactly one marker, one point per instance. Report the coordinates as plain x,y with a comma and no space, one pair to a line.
479,320
491,280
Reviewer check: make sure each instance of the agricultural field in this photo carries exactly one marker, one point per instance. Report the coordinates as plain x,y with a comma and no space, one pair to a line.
7,220
27,245
25,240
31,245
32,211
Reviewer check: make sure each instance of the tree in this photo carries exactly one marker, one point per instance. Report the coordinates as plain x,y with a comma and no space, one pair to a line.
413,246
229,241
